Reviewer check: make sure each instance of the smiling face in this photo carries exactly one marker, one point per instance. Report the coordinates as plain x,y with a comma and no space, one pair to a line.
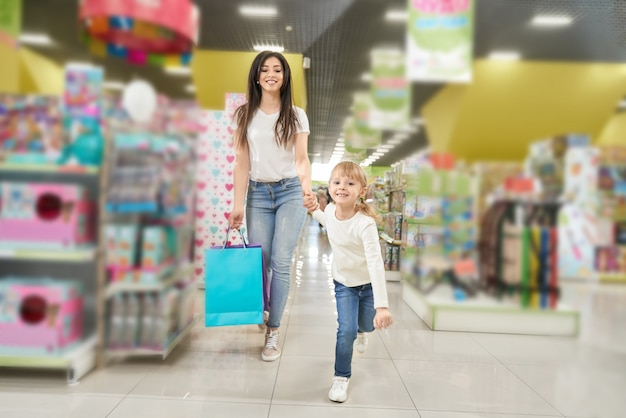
346,185
271,75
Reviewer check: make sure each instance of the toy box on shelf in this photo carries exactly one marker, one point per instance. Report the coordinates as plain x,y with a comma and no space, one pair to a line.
39,316
48,215
50,131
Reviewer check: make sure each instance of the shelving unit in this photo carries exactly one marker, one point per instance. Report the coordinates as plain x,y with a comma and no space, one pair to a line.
82,264
149,286
77,362
484,314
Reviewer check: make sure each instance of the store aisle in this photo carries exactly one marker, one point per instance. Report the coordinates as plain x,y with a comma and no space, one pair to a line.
407,371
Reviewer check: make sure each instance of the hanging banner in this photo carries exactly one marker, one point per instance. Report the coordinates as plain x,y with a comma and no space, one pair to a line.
10,22
390,90
440,40
363,136
158,32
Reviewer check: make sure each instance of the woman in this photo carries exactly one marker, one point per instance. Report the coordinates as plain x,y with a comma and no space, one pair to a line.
272,174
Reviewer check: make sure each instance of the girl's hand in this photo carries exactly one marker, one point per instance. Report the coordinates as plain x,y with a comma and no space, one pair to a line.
310,201
383,318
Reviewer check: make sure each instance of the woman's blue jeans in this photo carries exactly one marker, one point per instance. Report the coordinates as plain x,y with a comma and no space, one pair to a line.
274,216
355,313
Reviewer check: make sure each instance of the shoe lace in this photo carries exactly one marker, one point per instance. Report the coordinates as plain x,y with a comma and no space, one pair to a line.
340,383
271,340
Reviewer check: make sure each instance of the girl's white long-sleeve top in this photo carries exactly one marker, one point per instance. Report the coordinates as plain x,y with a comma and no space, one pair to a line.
357,257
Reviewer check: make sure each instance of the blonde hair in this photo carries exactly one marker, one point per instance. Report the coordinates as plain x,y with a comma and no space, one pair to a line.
355,172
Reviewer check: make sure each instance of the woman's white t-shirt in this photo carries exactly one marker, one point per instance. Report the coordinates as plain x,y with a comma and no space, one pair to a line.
270,162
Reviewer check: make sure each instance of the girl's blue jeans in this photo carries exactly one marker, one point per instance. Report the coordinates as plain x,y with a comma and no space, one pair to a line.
355,313
275,216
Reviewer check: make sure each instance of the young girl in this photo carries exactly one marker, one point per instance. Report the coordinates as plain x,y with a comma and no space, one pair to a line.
271,177
358,269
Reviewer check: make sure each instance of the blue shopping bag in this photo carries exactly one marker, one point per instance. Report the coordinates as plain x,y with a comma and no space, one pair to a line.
234,285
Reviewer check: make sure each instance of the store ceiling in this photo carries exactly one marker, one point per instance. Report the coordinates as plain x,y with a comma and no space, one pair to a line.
337,36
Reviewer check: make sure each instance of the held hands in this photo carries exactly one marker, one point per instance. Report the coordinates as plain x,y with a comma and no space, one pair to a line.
383,318
310,201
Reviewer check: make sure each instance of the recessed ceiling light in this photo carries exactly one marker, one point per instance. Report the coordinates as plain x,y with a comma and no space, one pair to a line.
551,21
366,77
39,39
190,88
113,85
258,11
178,70
79,64
396,15
505,55
388,146
265,47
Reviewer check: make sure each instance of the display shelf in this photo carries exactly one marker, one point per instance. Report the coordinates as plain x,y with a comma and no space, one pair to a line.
77,361
63,255
484,314
612,278
118,354
119,287
48,168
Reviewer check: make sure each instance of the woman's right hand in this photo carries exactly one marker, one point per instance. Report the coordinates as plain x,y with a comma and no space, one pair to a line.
235,220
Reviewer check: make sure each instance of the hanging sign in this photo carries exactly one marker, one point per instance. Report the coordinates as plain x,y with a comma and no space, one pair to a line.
390,90
156,32
439,40
10,21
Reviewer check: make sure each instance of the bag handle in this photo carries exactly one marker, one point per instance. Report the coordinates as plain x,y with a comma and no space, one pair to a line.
243,240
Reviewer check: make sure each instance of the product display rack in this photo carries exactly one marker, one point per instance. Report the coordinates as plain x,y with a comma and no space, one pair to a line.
122,332
81,263
446,302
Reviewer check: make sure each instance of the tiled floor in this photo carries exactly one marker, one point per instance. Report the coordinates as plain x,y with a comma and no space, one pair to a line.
408,371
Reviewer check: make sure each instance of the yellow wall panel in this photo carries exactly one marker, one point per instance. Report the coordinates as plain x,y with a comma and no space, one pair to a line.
9,70
216,73
441,114
614,132
511,104
39,75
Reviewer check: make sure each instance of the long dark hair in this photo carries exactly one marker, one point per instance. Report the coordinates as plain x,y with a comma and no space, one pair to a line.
287,119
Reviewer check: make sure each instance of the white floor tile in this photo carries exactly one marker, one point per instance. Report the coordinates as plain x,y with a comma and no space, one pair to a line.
43,405
578,390
438,346
168,408
339,411
306,381
469,387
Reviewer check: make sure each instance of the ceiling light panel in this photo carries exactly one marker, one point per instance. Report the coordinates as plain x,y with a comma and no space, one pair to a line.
38,39
551,21
258,11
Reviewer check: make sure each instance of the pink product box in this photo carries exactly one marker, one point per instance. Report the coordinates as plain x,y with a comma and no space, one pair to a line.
39,316
45,215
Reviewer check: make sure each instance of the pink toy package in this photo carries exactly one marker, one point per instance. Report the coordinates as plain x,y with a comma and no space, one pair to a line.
39,316
51,215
